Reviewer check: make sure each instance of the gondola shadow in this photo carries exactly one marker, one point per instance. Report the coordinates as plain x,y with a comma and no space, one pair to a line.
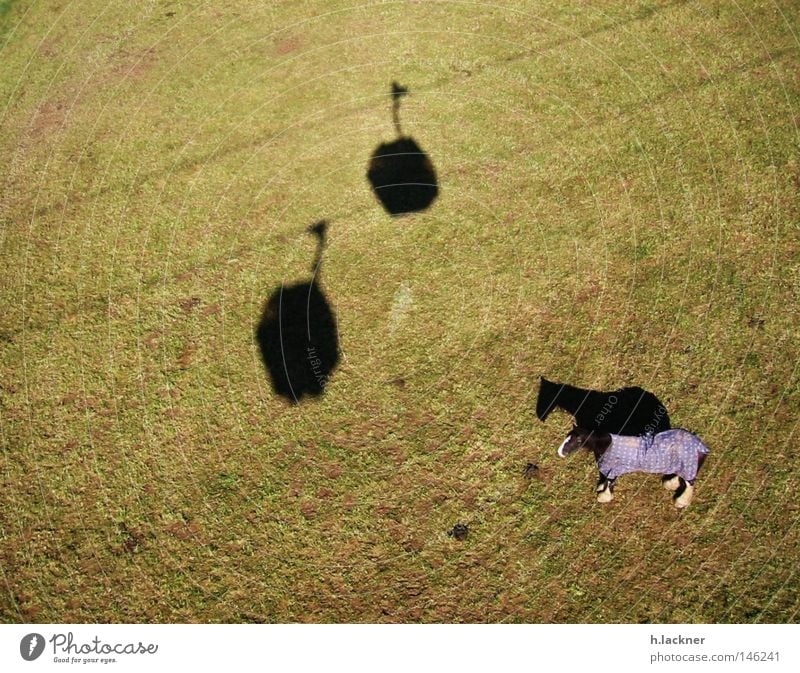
400,172
297,334
627,411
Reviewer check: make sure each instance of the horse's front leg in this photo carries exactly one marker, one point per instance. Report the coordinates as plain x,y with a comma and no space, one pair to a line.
683,495
605,489
671,482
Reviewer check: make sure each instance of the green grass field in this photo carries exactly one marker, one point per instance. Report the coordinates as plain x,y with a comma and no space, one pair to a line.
618,206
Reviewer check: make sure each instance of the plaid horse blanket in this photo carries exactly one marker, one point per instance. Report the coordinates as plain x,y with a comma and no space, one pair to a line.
669,452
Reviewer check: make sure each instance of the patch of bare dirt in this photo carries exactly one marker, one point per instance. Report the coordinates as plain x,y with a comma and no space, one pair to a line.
49,118
133,64
288,45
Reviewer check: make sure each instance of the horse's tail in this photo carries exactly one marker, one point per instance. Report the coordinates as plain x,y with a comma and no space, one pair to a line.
702,453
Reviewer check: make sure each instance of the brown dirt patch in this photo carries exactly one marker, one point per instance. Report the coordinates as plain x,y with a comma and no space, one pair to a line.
49,118
288,45
133,64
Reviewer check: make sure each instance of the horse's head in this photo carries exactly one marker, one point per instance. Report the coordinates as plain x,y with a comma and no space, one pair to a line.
546,401
576,439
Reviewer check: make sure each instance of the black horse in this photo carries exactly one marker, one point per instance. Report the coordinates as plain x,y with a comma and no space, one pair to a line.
400,173
627,411
297,334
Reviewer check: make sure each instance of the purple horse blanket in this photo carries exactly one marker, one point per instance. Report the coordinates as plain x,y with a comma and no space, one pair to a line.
669,452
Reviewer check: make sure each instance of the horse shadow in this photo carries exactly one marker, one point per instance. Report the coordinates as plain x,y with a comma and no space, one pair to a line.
627,411
298,336
400,172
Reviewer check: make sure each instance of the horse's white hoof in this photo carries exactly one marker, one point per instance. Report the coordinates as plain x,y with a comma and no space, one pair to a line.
672,484
685,498
605,496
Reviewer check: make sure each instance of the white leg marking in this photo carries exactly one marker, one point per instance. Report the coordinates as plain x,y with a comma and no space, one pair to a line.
605,496
686,497
672,484
561,448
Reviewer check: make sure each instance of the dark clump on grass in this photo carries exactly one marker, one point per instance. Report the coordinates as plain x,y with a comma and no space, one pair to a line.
400,172
297,335
531,471
459,532
627,411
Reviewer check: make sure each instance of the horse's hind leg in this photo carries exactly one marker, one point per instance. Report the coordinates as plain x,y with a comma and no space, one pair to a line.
605,489
683,496
670,481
